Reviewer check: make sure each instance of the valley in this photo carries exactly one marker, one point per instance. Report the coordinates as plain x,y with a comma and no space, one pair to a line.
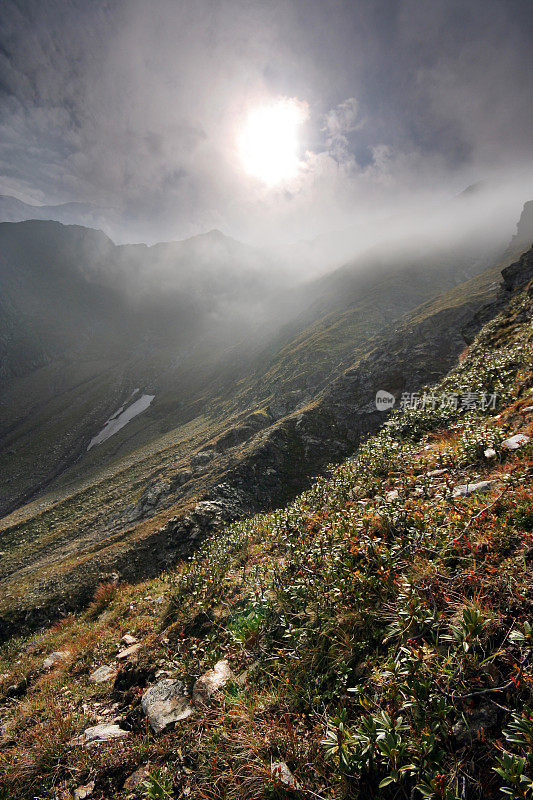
237,424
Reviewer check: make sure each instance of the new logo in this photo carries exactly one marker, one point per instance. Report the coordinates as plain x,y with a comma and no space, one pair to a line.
384,400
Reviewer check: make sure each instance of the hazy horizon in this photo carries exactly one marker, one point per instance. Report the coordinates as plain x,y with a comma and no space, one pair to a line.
163,115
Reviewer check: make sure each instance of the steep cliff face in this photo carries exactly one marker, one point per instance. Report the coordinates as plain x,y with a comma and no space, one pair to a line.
524,230
518,274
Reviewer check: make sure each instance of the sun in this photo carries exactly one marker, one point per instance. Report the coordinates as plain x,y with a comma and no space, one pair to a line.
268,143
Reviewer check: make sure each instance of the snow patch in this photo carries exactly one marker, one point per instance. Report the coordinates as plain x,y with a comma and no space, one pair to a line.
120,418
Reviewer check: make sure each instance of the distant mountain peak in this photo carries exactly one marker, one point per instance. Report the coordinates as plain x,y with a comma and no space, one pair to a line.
524,228
474,188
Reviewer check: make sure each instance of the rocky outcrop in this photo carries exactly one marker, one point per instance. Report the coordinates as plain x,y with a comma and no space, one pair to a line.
524,230
520,273
155,495
514,277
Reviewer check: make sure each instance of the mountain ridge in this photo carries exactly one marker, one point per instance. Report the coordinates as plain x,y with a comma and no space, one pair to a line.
278,405
294,450
371,639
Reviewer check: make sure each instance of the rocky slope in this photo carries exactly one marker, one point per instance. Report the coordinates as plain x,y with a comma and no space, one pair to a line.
254,465
235,426
208,326
370,640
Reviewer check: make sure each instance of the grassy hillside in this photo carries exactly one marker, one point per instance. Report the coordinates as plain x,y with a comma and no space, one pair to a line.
209,326
378,628
124,515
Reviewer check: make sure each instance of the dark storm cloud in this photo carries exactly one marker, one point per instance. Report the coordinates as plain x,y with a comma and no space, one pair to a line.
135,105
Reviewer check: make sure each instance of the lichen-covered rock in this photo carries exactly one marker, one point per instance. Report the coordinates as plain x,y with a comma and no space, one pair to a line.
280,772
55,658
165,704
102,674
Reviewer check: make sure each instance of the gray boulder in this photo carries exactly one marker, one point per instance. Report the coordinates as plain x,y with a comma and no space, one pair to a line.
55,658
102,674
476,725
165,704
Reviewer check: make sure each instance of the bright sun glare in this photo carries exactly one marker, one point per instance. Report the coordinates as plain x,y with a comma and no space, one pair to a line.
268,143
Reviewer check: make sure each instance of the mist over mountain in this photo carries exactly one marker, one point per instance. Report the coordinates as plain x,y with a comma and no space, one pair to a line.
266,381
14,210
206,326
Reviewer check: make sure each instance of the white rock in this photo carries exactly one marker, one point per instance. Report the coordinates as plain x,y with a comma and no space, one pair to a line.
392,495
212,681
128,639
526,408
163,673
100,733
55,658
280,772
84,791
129,651
436,472
472,488
164,704
102,674
514,442
490,452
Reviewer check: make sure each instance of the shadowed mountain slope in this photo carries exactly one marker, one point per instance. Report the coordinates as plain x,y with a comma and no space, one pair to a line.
242,407
141,517
385,611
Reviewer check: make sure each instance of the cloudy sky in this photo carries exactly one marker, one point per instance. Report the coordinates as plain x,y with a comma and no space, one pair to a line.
140,106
